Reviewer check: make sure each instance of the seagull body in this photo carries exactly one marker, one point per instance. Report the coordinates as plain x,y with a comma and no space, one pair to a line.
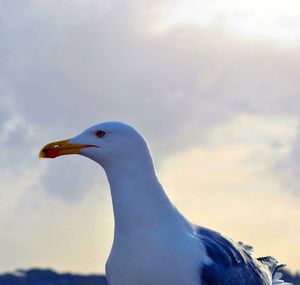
153,242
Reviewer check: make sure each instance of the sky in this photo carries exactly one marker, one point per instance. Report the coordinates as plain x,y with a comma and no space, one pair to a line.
212,85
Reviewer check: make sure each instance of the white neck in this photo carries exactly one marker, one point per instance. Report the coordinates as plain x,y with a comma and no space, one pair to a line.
139,201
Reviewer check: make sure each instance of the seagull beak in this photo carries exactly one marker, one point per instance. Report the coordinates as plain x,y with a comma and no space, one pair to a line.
55,149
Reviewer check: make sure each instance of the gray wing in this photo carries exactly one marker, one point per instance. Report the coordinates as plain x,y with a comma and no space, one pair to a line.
232,263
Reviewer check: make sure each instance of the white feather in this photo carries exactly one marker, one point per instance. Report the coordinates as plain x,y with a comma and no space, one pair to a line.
277,279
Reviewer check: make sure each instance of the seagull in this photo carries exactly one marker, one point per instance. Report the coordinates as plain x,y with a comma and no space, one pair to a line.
154,244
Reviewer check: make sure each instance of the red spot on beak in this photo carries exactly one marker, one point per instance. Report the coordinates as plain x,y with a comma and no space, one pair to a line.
51,153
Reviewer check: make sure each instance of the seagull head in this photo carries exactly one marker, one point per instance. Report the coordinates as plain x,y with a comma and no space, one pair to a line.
109,143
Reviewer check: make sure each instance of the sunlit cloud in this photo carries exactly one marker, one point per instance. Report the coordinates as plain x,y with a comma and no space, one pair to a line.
265,20
231,182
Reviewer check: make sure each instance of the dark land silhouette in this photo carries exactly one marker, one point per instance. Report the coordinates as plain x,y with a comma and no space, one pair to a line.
50,277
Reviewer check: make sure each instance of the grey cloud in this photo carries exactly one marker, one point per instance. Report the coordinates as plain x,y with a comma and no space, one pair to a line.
70,66
4,116
71,179
289,168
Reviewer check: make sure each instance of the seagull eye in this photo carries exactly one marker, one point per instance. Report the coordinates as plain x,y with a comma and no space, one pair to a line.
100,134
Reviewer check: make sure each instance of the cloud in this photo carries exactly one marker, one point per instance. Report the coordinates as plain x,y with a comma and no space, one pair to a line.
288,169
227,187
70,65
71,179
271,20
